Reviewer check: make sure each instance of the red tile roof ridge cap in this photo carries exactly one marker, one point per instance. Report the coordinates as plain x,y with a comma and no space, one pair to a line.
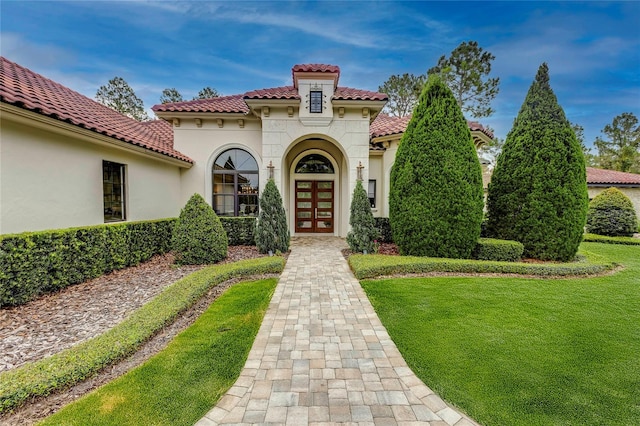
316,67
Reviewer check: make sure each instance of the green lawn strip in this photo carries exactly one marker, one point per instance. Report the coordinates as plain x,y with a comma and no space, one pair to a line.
375,265
522,351
82,361
180,384
611,240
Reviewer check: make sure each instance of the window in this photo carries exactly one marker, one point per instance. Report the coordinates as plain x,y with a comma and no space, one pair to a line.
314,163
113,191
371,192
235,184
315,98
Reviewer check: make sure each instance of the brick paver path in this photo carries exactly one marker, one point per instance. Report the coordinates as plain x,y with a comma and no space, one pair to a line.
323,357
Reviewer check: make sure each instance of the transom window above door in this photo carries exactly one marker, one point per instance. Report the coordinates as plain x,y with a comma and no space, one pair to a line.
235,184
314,163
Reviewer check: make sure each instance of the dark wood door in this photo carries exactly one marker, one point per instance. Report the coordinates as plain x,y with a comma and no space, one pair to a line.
314,206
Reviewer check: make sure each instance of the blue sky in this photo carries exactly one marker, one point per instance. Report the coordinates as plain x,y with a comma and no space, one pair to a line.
592,48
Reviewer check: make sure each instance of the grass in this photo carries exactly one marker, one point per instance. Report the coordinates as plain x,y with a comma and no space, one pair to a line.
75,364
517,351
180,384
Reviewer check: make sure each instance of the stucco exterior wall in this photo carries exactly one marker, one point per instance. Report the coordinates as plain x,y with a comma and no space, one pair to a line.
51,181
632,193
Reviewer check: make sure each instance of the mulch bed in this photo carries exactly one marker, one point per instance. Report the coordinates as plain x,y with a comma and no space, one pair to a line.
57,321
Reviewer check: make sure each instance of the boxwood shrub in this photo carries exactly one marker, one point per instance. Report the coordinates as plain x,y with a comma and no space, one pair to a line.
240,230
33,263
77,363
501,250
594,238
383,226
372,266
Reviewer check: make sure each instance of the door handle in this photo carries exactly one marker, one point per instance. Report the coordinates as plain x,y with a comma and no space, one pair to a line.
316,213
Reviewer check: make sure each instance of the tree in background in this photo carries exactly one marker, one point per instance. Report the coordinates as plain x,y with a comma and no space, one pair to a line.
622,149
538,190
198,236
466,72
589,158
436,196
272,233
611,213
403,91
170,95
363,231
207,93
118,95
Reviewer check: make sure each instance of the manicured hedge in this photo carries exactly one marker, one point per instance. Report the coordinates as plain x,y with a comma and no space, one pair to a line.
383,226
240,230
371,266
33,263
594,238
500,250
86,359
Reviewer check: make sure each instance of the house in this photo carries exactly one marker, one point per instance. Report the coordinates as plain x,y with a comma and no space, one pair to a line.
628,183
70,161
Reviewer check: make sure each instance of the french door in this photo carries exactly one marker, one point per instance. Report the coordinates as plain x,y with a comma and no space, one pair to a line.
314,206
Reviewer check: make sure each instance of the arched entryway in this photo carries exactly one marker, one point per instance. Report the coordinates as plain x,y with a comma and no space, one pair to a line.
314,193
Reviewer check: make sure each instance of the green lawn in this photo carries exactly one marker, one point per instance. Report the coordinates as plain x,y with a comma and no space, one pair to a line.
180,384
517,351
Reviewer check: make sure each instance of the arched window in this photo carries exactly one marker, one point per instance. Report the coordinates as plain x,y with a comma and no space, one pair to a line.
235,184
314,163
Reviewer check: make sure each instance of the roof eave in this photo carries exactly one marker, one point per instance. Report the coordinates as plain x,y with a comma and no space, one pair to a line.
35,119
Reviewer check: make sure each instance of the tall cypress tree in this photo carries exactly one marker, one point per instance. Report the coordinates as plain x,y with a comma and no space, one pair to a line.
538,191
436,196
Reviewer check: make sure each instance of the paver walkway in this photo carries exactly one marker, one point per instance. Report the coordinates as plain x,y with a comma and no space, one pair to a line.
323,357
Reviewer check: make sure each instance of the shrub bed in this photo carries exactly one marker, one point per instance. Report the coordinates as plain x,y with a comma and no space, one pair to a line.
383,226
84,360
371,266
594,238
240,230
500,250
33,263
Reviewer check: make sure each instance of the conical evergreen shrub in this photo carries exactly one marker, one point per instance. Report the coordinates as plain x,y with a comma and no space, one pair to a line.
272,233
611,213
436,195
538,190
363,230
198,236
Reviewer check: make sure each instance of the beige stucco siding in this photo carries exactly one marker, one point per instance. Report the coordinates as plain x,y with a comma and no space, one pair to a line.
632,193
51,181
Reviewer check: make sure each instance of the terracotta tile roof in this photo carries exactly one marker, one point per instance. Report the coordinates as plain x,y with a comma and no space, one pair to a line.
24,88
285,92
230,104
611,177
475,126
334,69
347,93
386,125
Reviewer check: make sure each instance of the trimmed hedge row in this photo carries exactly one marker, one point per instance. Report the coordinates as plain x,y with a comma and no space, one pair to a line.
86,359
594,238
240,230
500,250
371,266
33,263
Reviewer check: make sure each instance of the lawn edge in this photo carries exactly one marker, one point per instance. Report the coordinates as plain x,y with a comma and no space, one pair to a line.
377,265
79,362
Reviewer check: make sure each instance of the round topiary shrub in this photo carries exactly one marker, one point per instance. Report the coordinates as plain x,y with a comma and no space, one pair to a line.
272,233
611,213
198,236
363,231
